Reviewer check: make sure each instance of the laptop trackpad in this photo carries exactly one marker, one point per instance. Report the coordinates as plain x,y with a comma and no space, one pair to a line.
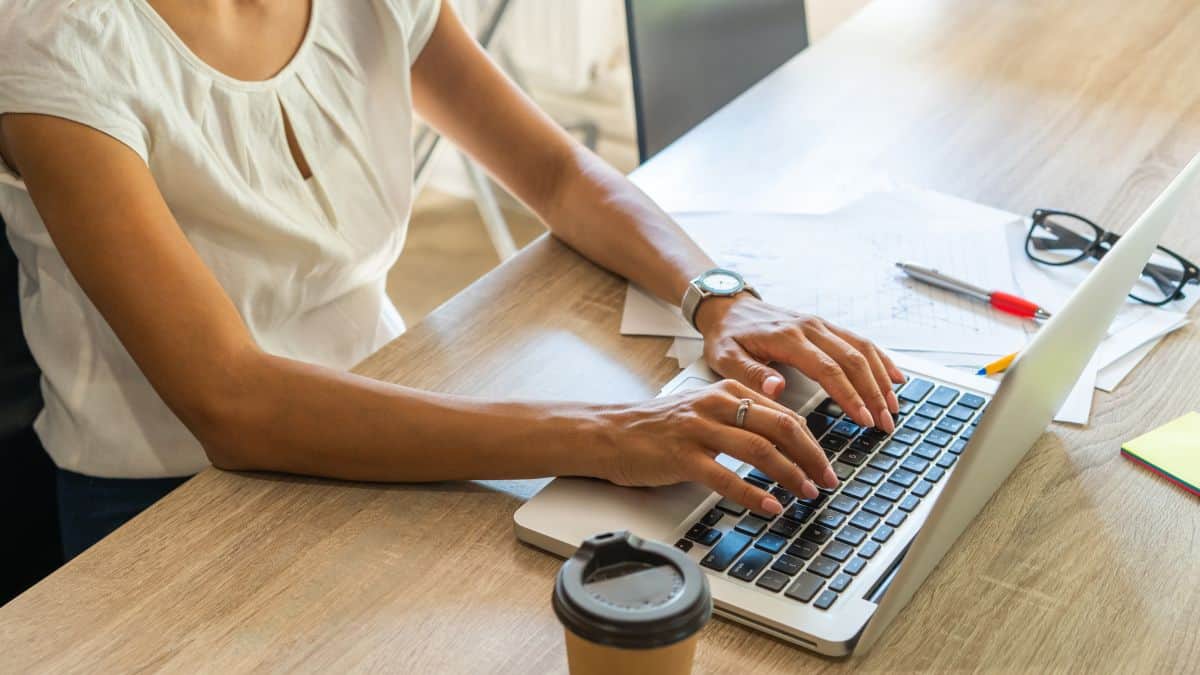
573,509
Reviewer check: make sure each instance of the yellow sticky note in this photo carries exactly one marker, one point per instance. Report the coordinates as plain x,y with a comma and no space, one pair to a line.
1172,450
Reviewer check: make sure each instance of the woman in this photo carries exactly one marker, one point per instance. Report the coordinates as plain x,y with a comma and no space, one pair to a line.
205,198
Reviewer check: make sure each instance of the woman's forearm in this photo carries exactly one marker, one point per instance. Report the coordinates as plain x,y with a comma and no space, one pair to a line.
298,418
605,217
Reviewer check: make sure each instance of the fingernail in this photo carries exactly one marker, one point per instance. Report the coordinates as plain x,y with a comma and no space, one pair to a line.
886,422
892,401
866,415
772,385
771,505
830,479
809,490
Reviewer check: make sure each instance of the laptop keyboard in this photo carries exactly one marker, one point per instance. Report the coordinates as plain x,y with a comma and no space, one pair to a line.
812,552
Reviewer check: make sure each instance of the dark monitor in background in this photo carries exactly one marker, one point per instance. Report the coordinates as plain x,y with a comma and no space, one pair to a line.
691,57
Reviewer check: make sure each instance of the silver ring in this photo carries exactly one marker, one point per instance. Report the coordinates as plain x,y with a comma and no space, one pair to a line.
743,407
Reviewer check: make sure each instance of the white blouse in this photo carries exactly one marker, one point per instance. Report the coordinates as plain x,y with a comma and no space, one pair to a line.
305,264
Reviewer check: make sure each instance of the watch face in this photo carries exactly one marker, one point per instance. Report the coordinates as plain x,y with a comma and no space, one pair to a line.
721,282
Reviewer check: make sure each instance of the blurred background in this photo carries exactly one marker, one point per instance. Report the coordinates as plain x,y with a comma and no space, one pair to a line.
573,58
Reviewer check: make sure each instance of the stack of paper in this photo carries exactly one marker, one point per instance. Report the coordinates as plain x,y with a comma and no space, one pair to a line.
840,266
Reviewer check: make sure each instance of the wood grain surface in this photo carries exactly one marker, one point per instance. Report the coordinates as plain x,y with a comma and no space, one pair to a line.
1081,562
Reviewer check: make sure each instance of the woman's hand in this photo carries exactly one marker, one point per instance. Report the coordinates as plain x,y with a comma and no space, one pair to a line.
743,334
676,438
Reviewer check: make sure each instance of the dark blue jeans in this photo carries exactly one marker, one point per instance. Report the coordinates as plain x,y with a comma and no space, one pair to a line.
90,508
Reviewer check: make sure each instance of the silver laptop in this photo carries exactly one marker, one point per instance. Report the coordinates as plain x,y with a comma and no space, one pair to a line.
831,573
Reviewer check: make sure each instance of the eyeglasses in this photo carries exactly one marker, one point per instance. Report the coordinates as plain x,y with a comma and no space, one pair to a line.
1062,238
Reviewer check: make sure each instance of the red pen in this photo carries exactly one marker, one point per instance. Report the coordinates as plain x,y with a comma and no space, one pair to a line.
1004,302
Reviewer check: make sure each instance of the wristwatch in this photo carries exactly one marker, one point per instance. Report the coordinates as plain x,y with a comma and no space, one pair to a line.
715,282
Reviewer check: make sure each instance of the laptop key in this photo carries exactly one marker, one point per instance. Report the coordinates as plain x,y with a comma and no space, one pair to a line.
683,545
870,476
852,457
903,477
896,519
772,581
840,582
935,474
757,483
947,460
771,543
803,549
890,491
805,587
830,518
894,450
950,426
838,550
865,521
852,535
961,413
843,504
749,565
922,488
856,490
722,555
823,566
882,534
843,471
907,407
930,410
879,507
817,534
729,506
918,423
783,495
846,428
710,537
712,517
909,503
826,600
906,436
957,446
864,444
914,464
972,401
834,442
789,565
938,438
916,390
869,549
785,527
798,512
967,433
927,451
882,463
751,525
697,532
758,475
944,396
818,423
855,566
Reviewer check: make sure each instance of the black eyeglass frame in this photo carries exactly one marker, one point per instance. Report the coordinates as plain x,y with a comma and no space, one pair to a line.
1100,245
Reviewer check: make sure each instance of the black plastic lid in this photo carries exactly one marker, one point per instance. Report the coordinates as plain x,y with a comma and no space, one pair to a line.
621,590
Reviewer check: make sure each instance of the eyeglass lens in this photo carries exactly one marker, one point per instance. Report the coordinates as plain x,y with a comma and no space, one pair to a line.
1061,239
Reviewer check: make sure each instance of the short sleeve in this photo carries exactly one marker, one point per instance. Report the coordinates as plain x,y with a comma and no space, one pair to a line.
424,18
67,60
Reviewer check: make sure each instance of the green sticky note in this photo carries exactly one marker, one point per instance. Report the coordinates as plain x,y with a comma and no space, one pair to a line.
1172,450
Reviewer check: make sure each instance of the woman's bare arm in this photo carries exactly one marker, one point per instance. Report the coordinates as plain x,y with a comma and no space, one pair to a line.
595,210
252,410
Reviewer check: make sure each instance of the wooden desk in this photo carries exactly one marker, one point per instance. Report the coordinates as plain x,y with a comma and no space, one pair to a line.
1081,561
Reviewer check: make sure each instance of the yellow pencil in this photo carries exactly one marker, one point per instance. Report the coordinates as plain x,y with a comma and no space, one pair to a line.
998,366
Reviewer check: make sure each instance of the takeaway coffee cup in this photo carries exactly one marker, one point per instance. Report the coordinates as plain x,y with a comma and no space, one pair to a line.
633,606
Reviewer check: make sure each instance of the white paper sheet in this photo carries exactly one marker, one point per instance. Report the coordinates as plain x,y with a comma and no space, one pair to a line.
1077,409
841,267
